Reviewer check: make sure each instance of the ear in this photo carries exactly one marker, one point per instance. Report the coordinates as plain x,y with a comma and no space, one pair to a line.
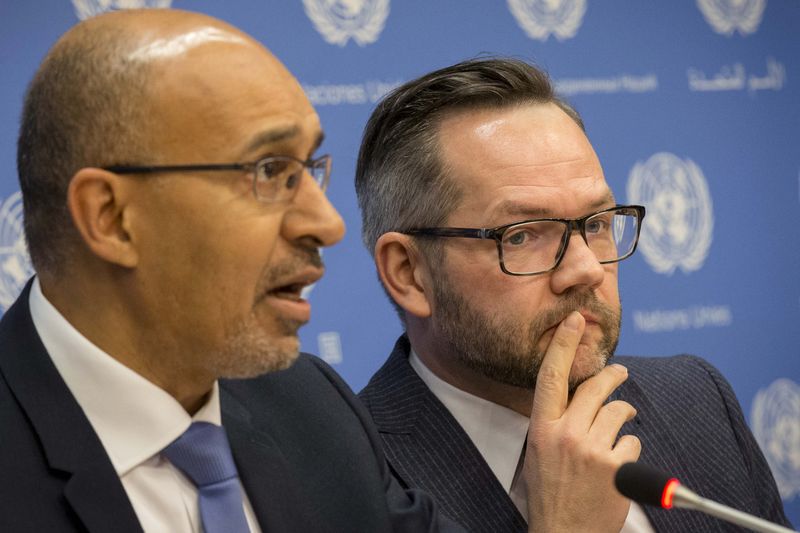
404,273
97,200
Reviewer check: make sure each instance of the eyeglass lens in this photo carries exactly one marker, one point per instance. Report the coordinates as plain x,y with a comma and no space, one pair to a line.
277,177
536,246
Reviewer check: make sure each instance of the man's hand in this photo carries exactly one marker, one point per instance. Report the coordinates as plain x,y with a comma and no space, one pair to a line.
571,456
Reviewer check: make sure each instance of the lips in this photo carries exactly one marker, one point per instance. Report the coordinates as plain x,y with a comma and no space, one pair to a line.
291,287
285,296
291,291
588,317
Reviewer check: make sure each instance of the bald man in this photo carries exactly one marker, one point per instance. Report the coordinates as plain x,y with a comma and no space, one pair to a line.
174,209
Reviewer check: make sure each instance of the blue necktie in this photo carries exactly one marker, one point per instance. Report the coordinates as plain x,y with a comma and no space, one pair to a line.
204,455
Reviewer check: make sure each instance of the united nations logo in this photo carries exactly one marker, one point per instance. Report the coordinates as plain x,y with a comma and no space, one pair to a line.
15,265
85,9
726,16
339,20
775,419
541,18
680,221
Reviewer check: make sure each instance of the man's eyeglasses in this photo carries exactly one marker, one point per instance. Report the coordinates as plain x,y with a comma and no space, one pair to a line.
275,177
537,246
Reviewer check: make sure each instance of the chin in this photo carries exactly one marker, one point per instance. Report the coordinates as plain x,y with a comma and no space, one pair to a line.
588,362
248,357
284,356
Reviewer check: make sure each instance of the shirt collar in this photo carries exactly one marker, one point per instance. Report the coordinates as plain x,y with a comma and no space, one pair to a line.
134,418
499,433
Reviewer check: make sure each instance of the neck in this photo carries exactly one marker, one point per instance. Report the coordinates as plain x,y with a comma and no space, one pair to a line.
106,314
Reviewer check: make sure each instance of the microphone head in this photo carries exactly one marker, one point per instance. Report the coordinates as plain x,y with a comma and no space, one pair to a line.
644,484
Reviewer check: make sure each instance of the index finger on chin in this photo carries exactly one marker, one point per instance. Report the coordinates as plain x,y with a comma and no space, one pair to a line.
552,382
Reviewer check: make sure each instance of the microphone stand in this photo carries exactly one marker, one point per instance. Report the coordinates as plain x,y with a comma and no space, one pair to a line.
685,498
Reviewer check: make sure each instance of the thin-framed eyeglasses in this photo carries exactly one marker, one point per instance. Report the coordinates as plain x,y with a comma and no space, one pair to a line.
275,177
537,246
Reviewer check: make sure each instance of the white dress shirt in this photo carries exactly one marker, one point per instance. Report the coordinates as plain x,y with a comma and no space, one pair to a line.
499,434
134,420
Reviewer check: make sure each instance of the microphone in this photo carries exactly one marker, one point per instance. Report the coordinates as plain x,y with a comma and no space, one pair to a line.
644,484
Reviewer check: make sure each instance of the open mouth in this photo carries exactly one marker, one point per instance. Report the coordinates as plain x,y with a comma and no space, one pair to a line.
290,292
287,300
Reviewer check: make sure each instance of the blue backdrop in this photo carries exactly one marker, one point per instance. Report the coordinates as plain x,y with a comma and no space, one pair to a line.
693,107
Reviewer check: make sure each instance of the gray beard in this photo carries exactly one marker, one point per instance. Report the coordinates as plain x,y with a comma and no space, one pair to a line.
249,351
505,350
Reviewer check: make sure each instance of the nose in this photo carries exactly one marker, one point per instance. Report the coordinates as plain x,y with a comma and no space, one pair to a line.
579,267
312,216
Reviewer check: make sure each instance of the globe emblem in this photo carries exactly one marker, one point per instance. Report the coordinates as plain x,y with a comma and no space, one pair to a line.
680,222
15,265
775,419
345,9
338,21
542,18
85,9
727,16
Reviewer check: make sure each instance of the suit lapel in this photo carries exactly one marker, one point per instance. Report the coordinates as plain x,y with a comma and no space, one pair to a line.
660,449
271,486
428,449
98,498
69,443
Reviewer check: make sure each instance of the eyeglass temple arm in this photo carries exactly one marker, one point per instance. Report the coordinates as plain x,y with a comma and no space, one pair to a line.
125,169
471,233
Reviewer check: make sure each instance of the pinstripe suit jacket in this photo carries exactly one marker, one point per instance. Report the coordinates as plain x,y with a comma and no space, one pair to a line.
689,422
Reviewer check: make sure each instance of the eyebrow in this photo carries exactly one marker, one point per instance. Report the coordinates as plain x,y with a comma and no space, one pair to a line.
515,208
276,135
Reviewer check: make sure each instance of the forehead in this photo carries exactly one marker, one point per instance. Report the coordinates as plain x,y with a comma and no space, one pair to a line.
523,161
226,100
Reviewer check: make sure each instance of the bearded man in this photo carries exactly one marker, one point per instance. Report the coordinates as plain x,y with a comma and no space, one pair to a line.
498,240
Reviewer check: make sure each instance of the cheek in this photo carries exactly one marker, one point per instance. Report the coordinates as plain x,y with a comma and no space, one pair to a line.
526,294
514,300
609,289
223,266
226,288
244,257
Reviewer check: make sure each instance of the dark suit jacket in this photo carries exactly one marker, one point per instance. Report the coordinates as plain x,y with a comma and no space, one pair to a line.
689,423
306,450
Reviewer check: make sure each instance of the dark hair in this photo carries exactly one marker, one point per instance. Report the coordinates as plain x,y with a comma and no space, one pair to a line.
84,107
400,179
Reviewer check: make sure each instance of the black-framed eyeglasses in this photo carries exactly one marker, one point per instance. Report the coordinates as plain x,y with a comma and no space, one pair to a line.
537,246
275,177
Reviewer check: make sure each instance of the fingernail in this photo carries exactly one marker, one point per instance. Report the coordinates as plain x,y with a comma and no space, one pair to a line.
572,321
621,368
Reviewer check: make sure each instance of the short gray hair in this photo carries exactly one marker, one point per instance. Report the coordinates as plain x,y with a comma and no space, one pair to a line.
400,179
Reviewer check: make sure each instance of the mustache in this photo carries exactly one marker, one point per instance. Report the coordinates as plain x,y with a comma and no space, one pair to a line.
574,300
300,258
309,256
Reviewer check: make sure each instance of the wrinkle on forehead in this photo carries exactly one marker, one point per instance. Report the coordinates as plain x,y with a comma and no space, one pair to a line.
533,157
182,43
558,198
513,136
532,204
582,180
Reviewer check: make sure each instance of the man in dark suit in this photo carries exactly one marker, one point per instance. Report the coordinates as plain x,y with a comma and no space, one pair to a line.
174,209
498,239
